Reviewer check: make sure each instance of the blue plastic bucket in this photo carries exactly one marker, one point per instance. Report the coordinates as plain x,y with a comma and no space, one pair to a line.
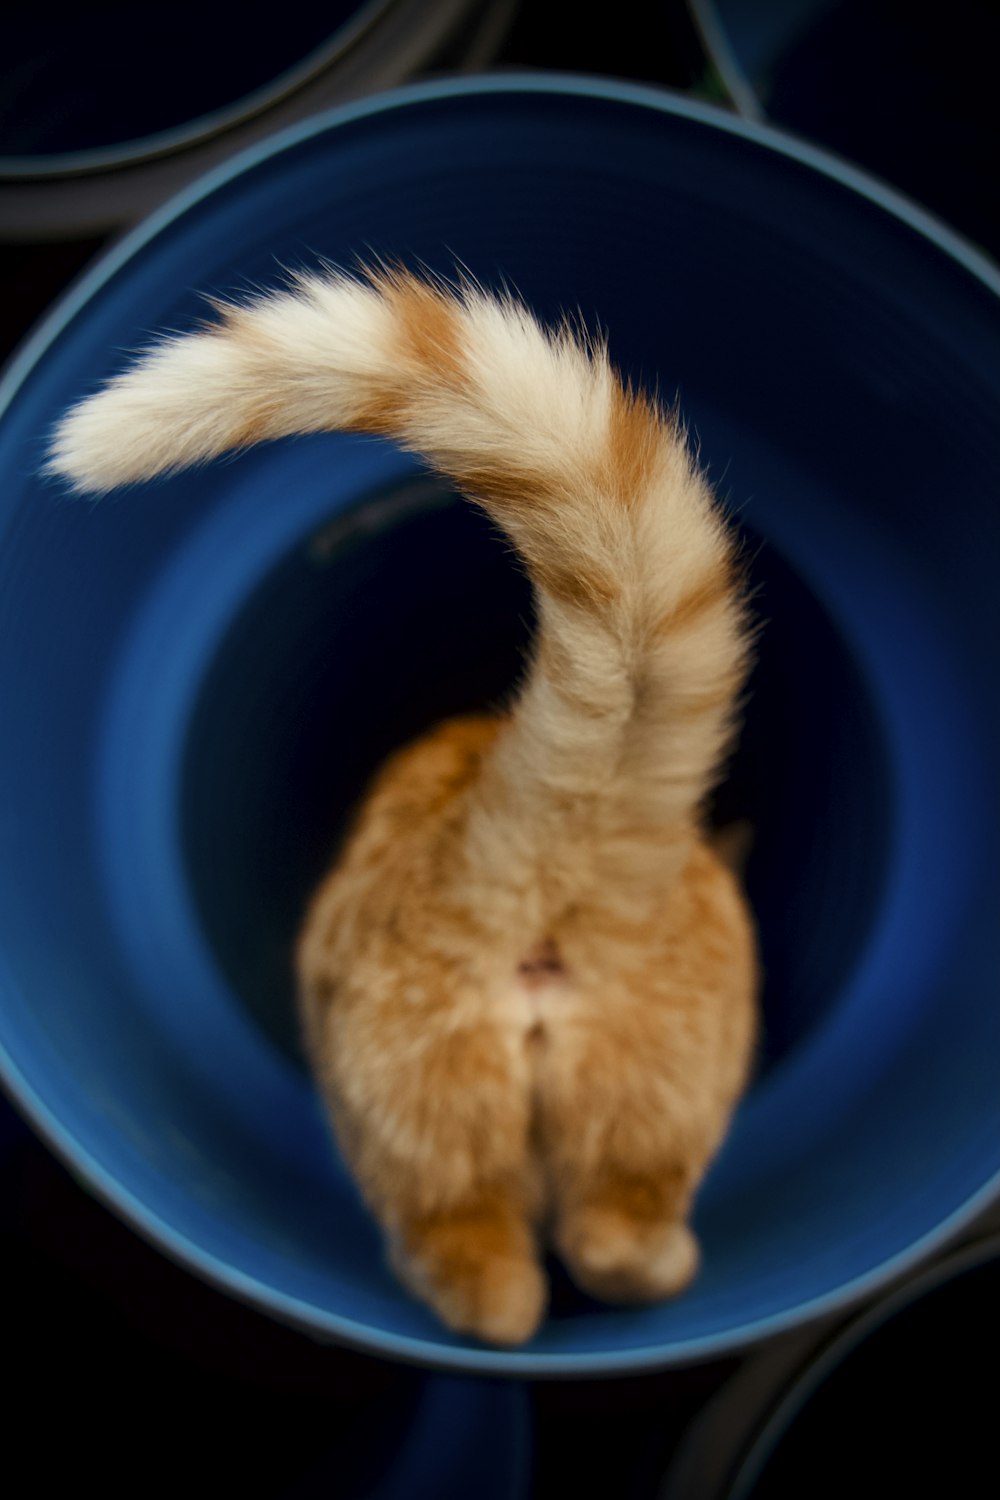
196,678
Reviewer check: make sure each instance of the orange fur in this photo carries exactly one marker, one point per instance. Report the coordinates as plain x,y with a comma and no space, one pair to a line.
527,984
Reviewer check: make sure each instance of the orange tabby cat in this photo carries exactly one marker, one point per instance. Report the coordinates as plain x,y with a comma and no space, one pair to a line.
528,983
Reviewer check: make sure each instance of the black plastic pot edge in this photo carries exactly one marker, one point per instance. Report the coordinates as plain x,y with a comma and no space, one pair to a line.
729,1443
79,194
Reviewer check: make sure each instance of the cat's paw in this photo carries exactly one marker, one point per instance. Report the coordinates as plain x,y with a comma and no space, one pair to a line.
618,1258
495,1293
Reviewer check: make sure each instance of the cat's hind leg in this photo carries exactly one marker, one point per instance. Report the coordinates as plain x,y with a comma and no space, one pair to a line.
419,1053
635,1085
476,1263
623,1162
433,1114
456,1186
625,1238
646,1054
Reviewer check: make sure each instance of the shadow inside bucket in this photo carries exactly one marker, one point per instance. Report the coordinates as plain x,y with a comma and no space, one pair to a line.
411,608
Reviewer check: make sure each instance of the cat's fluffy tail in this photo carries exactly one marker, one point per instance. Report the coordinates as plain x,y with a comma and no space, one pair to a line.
642,647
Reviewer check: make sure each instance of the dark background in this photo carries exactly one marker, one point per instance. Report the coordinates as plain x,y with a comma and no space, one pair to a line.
126,1372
